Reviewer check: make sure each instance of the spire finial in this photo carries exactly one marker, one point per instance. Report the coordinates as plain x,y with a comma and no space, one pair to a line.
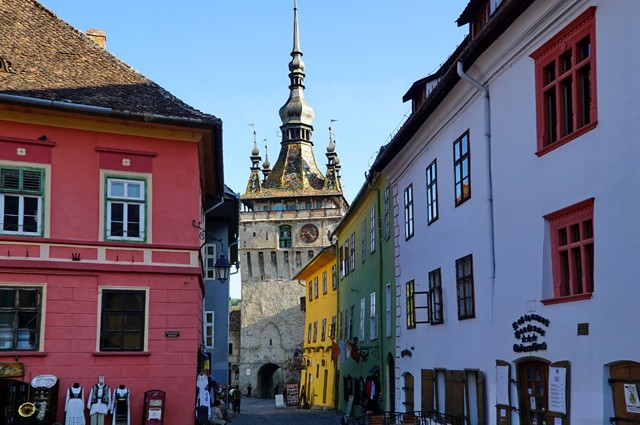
296,36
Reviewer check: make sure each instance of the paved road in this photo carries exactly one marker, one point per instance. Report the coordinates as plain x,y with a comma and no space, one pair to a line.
254,411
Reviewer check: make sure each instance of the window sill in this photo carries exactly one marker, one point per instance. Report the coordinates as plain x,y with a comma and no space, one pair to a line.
566,299
121,353
19,353
545,150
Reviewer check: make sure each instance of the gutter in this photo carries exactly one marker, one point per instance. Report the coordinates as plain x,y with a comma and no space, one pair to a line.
79,107
487,125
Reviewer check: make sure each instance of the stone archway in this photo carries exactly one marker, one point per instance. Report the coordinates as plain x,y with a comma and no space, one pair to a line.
269,375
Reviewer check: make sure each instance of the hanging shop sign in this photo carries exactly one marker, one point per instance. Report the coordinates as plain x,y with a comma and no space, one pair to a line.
11,370
529,330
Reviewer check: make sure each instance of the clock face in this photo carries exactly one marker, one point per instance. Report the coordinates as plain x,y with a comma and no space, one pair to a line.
309,233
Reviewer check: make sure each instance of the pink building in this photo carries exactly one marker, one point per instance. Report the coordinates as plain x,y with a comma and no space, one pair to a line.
102,175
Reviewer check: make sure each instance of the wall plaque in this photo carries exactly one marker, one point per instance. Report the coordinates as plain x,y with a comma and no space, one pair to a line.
12,369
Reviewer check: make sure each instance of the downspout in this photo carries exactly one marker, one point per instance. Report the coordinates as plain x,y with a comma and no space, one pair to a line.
487,126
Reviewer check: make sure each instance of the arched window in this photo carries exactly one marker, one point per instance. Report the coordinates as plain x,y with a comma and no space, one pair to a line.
285,236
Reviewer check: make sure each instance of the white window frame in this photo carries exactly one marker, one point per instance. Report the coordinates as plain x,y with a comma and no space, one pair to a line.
372,230
364,241
387,212
323,330
373,318
21,194
126,200
209,329
388,310
363,307
209,254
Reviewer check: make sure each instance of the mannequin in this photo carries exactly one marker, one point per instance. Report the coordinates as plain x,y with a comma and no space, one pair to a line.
99,402
120,406
74,406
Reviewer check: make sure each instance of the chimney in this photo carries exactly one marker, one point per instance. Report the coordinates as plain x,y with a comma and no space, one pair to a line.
98,36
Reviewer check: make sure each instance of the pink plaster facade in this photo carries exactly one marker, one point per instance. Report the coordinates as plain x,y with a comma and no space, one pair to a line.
76,161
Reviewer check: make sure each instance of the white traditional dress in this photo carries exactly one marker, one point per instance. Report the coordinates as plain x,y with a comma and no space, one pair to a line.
74,406
120,406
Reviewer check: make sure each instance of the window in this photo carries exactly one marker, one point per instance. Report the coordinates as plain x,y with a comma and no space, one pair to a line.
411,305
323,330
388,310
310,291
346,257
566,84
21,191
334,283
408,212
126,215
285,236
387,212
351,313
20,312
324,282
315,331
464,287
332,331
309,334
435,297
208,329
209,261
432,193
363,307
372,229
231,348
315,287
342,322
123,320
373,317
363,244
461,174
572,250
352,255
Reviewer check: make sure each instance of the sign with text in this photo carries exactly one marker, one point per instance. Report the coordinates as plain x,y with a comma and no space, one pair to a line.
558,389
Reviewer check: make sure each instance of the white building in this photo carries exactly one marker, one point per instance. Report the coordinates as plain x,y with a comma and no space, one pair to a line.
516,253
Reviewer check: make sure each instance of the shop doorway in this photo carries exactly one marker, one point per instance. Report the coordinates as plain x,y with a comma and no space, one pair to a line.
408,393
391,385
269,380
12,394
624,378
533,381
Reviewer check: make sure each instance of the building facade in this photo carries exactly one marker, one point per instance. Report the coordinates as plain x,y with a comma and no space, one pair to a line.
100,273
366,300
284,222
513,248
319,352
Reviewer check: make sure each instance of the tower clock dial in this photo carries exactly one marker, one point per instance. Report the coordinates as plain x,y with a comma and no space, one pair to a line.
309,233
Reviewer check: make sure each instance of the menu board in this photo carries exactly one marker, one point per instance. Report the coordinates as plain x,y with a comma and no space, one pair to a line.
292,394
557,389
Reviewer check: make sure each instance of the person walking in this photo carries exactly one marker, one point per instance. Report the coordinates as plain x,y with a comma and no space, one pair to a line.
237,394
249,390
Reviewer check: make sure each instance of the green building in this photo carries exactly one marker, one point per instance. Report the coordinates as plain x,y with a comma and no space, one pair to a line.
366,300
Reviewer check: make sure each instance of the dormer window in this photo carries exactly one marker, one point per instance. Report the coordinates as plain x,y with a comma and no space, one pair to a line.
480,21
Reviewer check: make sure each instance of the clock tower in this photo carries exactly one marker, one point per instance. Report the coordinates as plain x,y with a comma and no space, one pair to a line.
287,214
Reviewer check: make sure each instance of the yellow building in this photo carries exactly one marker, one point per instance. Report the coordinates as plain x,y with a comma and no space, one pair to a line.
318,377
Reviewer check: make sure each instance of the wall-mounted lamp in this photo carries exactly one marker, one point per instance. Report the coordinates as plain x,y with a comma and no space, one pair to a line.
222,266
406,353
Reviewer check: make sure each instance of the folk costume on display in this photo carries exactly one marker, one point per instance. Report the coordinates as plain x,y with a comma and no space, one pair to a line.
99,402
74,406
120,406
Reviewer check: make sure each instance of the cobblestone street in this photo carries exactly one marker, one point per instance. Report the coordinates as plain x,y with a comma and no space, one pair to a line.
254,411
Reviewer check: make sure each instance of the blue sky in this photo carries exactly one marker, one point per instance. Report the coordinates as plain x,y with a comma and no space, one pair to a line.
229,58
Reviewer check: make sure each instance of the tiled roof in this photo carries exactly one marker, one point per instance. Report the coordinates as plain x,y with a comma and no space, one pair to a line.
49,59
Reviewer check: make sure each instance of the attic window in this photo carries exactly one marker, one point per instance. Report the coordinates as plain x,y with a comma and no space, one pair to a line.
480,20
5,65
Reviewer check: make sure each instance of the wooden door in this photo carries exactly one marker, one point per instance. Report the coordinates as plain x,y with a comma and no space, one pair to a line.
408,393
624,381
533,379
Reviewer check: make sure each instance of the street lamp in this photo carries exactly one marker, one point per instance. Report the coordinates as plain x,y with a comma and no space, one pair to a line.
222,266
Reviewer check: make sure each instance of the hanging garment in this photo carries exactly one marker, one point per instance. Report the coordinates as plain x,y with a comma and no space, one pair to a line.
120,406
99,400
74,407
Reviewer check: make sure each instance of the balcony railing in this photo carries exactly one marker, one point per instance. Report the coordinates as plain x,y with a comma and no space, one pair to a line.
428,417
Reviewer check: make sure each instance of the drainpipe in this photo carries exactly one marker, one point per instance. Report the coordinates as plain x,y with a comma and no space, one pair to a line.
487,125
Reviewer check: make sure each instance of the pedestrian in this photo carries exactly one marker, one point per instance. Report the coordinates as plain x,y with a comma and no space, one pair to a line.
216,414
249,390
236,399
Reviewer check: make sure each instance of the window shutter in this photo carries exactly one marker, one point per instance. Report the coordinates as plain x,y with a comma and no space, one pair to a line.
503,390
553,415
454,393
427,390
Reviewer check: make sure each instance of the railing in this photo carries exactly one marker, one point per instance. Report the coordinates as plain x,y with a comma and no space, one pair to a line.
412,418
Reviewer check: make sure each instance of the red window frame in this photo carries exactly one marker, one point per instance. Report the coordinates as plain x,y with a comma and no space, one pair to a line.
572,252
565,80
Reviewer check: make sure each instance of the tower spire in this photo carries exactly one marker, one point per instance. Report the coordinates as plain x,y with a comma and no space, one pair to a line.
296,36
